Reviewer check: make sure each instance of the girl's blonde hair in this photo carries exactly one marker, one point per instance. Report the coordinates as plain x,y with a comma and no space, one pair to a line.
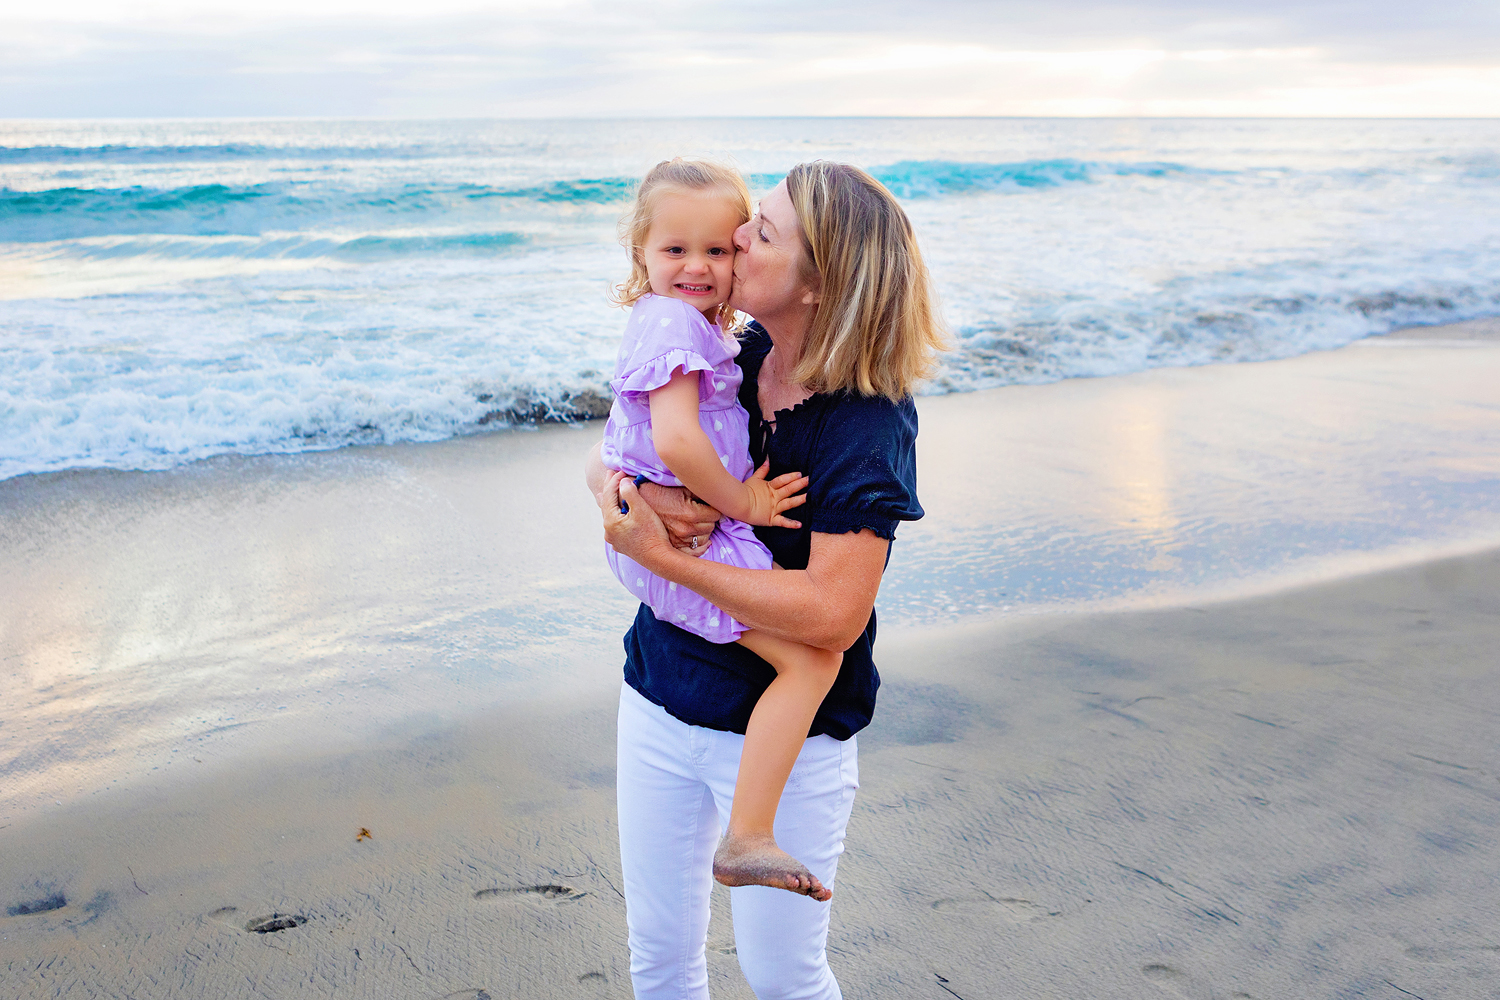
876,329
667,176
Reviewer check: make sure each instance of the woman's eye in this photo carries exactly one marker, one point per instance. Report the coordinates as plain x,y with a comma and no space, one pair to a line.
762,234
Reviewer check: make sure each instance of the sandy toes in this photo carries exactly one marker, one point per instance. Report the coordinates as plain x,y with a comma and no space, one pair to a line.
758,861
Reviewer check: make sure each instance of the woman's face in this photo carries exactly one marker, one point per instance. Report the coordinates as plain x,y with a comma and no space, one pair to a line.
768,278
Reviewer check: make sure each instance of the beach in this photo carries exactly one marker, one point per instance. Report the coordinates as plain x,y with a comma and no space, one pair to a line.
1189,690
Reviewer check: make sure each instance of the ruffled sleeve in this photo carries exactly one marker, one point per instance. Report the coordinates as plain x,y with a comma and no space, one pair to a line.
658,371
663,336
863,467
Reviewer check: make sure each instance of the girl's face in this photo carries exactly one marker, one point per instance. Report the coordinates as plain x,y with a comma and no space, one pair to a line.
689,251
768,272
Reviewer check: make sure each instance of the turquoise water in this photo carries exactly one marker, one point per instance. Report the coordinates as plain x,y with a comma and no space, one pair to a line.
171,290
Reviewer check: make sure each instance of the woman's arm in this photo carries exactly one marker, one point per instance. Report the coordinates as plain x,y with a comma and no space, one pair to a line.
684,448
684,519
827,605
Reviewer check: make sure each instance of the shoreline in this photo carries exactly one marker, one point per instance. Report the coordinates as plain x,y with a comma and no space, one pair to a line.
587,406
1482,328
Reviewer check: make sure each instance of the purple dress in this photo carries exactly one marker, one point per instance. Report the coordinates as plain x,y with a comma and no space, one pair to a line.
662,336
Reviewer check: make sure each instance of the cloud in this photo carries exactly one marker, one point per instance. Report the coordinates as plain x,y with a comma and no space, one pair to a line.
183,58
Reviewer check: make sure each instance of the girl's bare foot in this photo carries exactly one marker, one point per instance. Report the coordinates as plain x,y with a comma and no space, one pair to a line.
758,861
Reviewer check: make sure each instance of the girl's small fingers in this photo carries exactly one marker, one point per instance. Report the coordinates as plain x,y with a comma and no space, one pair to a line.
787,503
763,471
784,522
787,477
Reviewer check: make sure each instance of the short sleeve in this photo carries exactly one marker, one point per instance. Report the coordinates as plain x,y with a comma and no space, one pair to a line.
657,372
663,336
863,468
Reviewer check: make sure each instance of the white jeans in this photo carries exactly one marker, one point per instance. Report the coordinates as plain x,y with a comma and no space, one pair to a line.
676,783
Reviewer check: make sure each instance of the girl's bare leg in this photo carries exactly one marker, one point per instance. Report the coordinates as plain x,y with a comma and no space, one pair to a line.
778,726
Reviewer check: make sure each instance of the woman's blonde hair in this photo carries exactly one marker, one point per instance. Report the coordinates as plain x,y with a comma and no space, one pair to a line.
876,329
667,176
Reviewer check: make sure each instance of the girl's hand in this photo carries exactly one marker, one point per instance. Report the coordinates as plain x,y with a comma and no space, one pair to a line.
636,532
767,500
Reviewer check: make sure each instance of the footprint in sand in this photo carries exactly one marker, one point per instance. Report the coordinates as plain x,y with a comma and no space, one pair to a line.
593,979
560,893
43,904
268,924
1183,985
1016,911
273,922
470,994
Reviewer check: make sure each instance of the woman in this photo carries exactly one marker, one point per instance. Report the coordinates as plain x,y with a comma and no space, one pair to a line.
830,271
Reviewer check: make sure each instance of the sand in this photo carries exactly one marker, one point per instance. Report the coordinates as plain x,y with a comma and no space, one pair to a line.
1199,793
1289,796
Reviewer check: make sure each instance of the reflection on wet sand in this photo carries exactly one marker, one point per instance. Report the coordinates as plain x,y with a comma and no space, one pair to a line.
309,597
1179,483
1137,485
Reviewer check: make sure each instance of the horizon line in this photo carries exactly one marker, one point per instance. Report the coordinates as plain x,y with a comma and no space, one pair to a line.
603,118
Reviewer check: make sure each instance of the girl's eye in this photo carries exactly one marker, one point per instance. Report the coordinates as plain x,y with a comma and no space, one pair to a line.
674,251
718,252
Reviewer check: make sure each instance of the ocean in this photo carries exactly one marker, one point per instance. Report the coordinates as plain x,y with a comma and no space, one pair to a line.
171,290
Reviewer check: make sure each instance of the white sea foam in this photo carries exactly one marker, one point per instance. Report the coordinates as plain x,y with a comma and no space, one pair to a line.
173,291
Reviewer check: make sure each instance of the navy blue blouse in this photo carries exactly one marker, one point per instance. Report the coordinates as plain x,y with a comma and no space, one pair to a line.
860,454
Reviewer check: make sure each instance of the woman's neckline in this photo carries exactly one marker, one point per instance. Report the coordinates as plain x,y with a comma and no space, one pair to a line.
777,413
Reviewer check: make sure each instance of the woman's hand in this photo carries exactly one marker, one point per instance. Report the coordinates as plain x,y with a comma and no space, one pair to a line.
688,522
637,531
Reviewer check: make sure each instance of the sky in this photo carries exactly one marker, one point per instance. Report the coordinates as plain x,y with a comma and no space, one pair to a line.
690,58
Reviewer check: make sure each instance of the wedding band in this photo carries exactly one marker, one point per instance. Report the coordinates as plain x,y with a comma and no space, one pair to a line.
695,541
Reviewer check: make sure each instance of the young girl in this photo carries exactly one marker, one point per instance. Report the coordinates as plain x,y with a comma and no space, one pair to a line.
677,421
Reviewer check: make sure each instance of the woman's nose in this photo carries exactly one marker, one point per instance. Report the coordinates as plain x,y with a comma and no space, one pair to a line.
742,238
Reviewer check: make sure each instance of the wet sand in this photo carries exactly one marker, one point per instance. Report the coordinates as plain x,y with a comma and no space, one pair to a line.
1288,794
